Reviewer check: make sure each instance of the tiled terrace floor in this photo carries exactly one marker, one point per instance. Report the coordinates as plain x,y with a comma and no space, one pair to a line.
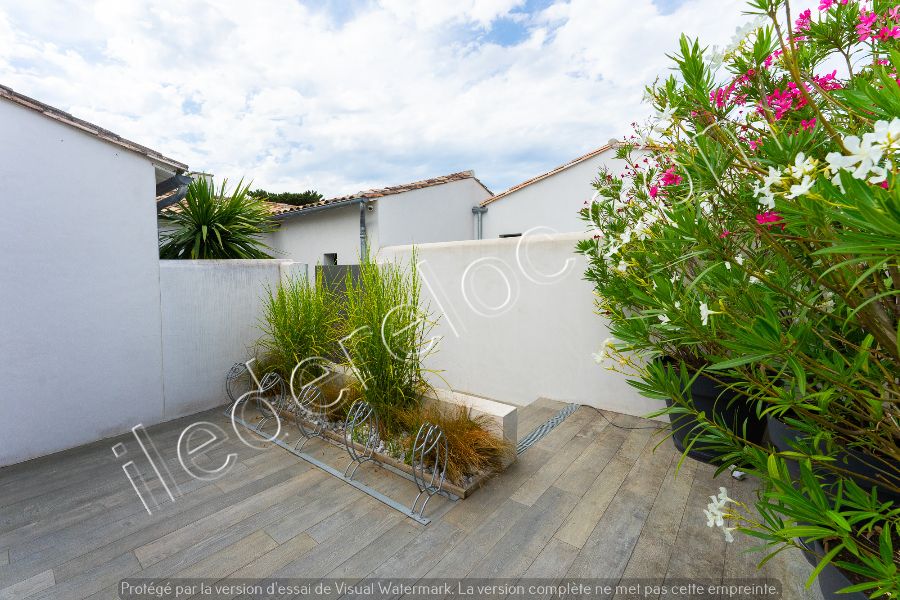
589,500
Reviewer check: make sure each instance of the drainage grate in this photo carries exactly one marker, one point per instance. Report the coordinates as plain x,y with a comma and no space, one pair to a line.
544,428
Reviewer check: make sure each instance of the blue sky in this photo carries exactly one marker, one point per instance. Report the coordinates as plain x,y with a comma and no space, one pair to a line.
342,96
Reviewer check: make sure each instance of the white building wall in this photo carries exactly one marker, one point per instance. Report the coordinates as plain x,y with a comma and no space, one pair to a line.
79,288
538,339
306,238
553,202
441,213
211,313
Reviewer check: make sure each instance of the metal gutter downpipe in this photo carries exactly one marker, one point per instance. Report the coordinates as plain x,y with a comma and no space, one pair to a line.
362,231
478,211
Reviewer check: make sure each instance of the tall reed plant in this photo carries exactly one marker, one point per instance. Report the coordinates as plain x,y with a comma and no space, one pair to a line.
300,321
388,338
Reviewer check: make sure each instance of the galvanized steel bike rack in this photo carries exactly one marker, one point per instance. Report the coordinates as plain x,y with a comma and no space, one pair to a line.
360,418
430,451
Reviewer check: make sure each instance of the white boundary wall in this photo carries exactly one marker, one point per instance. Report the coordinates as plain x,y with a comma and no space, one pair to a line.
211,311
540,343
79,290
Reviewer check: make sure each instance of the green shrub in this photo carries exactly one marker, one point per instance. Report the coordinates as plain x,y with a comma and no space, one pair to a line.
754,238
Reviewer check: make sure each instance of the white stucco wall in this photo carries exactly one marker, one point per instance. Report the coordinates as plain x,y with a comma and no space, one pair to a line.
553,202
79,288
435,214
540,343
307,237
211,310
441,213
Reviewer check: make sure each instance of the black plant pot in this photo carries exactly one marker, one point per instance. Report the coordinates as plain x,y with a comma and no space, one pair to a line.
830,579
782,437
716,402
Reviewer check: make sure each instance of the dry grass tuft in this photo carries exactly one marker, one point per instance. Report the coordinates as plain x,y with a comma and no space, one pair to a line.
473,446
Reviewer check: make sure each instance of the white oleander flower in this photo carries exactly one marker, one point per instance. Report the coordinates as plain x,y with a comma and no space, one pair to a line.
879,175
803,165
715,516
663,318
802,188
773,178
885,134
605,351
664,119
704,313
863,153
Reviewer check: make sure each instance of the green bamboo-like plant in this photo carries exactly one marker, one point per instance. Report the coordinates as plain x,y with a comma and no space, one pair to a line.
210,223
300,321
387,338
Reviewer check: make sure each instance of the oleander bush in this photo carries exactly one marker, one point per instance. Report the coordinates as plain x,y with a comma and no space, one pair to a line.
753,238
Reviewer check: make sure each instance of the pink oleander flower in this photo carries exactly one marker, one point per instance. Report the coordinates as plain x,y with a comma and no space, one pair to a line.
864,27
670,177
887,33
804,20
654,191
807,125
754,144
725,233
768,218
771,58
827,4
828,82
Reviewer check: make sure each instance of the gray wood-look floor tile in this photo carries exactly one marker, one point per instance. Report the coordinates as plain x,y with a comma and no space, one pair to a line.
591,499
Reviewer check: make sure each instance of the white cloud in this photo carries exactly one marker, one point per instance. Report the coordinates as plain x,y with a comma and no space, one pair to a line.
297,97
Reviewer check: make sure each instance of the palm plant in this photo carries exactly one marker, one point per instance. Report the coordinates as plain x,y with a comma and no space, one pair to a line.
209,223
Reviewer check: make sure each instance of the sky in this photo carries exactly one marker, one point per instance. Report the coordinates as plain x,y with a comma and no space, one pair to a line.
342,96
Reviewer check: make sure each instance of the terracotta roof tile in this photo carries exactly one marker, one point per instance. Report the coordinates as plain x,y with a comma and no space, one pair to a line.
285,210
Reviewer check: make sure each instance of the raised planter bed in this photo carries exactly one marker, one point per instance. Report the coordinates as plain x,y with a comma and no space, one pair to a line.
503,416
503,420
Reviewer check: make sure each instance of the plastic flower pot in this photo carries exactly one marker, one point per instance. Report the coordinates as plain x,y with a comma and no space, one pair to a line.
718,403
831,579
783,437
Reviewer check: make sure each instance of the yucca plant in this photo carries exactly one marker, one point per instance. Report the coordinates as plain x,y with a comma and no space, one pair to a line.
211,223
387,338
300,321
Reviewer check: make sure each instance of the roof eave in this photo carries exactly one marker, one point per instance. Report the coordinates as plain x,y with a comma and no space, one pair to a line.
305,211
65,118
550,173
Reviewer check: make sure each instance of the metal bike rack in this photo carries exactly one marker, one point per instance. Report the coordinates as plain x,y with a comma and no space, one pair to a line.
430,451
361,418
430,454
